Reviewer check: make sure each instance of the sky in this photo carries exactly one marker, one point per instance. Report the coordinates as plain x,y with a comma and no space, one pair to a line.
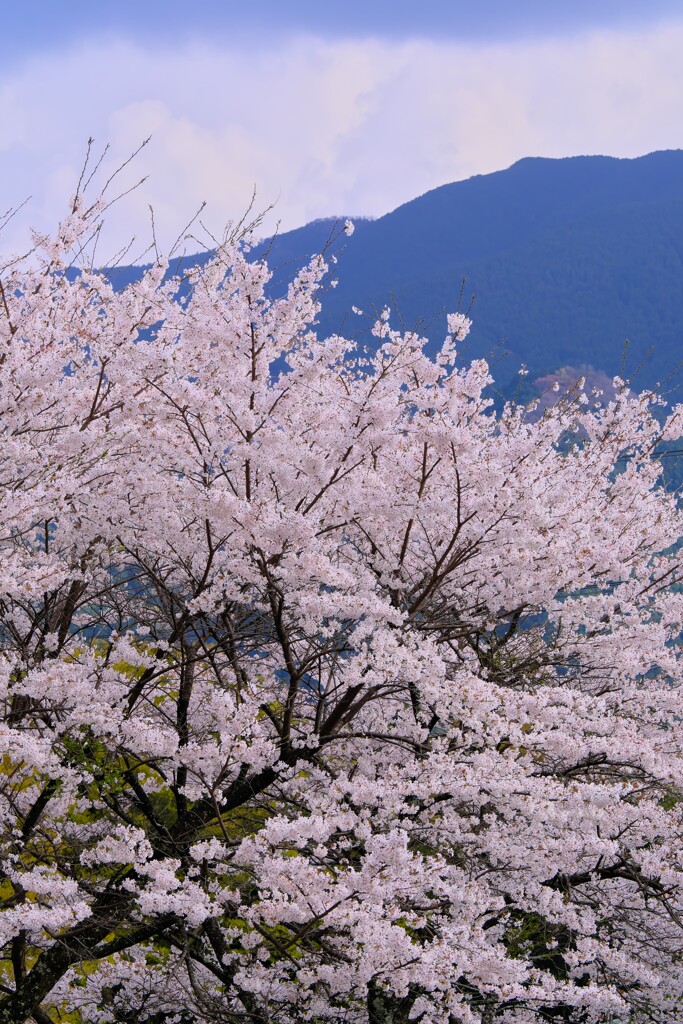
322,108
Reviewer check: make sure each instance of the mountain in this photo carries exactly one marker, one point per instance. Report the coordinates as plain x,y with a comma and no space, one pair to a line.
567,260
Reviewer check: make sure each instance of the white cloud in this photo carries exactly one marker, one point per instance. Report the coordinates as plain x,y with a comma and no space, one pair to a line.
325,127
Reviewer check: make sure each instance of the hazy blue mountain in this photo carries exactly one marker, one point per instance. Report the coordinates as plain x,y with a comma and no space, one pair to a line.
567,260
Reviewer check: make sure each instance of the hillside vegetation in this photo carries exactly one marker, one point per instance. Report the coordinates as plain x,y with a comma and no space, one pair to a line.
567,259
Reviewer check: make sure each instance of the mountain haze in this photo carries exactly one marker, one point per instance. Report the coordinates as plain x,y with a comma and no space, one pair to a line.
567,261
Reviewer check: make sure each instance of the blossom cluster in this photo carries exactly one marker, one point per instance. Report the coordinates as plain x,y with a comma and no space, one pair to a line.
329,693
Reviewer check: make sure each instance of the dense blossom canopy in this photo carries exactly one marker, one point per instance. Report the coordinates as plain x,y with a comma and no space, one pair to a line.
328,693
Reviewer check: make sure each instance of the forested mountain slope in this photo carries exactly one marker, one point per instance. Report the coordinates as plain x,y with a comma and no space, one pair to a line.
567,260
564,263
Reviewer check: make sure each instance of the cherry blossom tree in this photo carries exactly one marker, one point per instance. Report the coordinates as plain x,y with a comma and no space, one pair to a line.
328,693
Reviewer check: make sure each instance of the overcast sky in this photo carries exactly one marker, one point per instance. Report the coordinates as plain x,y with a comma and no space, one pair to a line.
325,108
